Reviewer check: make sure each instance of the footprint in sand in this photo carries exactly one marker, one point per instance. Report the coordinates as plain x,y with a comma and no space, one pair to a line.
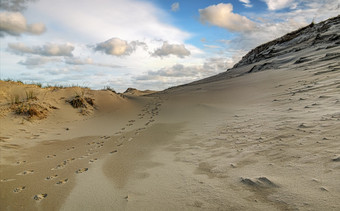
51,156
20,162
92,160
82,157
114,151
7,180
82,170
61,182
59,166
63,164
26,172
51,177
19,189
70,148
69,160
40,196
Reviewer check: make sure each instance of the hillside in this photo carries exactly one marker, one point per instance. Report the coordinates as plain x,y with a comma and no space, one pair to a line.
304,47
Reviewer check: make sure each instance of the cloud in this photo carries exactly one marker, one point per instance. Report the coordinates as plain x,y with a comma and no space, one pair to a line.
45,50
127,19
246,3
118,47
14,23
222,15
175,7
279,4
190,72
14,5
56,71
272,25
181,74
34,62
88,61
171,49
212,46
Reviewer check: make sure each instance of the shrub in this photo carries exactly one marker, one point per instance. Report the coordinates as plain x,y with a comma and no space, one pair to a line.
108,88
81,102
30,110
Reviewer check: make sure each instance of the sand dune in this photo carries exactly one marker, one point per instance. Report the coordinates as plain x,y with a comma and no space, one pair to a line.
261,136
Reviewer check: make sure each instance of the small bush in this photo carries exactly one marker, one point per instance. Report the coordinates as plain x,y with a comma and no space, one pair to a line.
77,102
39,84
81,102
108,88
30,110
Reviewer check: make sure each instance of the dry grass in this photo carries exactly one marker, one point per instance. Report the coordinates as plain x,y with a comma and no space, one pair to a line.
30,95
80,101
30,110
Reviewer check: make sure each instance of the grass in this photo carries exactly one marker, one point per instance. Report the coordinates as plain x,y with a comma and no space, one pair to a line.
30,110
30,95
15,99
80,101
108,88
39,84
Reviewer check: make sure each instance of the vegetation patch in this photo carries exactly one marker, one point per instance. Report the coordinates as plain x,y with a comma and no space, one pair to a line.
81,102
30,110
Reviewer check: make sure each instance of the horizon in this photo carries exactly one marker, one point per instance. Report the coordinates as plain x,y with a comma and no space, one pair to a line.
159,44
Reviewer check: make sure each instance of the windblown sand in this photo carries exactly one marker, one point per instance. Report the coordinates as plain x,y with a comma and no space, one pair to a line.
262,141
267,140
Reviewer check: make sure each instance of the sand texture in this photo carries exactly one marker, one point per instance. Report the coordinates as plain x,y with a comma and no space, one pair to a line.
264,135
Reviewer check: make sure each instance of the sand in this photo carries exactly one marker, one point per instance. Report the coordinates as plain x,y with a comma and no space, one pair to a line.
187,150
266,140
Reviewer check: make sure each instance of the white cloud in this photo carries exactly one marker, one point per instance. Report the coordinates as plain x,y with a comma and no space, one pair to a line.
88,61
175,7
179,73
212,46
14,23
92,21
246,3
171,49
222,15
279,4
56,71
34,62
78,61
49,49
118,47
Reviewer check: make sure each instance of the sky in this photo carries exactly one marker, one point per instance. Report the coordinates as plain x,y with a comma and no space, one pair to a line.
145,44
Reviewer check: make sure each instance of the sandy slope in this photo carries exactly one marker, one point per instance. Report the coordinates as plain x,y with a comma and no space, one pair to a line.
266,140
195,151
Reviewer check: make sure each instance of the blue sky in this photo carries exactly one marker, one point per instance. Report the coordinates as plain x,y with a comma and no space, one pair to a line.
147,44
